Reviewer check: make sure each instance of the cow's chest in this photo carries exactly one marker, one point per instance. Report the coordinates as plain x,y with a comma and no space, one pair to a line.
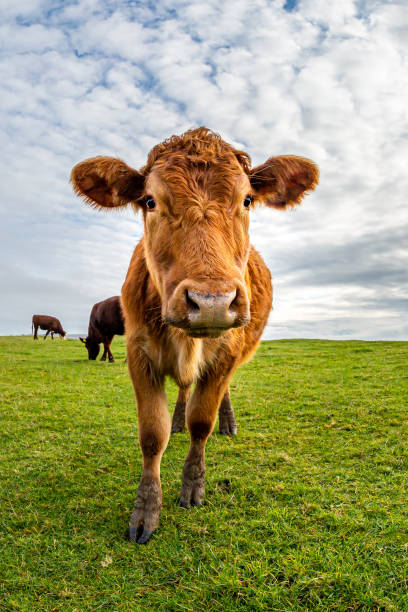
180,357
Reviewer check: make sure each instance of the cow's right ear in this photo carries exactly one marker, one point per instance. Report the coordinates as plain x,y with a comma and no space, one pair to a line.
82,340
107,182
283,181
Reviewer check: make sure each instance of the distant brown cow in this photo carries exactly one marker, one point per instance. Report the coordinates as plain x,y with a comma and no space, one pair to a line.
51,324
105,322
197,296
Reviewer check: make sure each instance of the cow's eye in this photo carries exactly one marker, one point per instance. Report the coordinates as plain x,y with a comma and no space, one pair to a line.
247,201
150,203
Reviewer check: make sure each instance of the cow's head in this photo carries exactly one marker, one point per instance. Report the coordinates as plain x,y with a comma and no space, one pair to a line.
63,334
196,192
92,347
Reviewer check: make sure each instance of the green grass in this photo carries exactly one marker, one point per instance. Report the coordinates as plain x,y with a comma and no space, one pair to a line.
305,509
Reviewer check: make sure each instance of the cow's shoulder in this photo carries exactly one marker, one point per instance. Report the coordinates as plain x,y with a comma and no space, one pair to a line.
260,281
141,302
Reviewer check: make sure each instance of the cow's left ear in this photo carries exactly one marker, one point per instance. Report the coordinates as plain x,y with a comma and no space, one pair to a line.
106,182
282,181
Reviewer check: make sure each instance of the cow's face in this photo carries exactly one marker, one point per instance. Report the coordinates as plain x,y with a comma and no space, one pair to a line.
92,347
196,242
196,192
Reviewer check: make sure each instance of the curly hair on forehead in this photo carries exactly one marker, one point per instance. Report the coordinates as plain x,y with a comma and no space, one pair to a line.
199,146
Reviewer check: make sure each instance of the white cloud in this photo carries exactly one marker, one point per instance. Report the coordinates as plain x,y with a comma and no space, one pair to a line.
329,14
326,80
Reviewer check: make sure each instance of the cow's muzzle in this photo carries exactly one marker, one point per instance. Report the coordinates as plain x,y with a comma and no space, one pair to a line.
208,313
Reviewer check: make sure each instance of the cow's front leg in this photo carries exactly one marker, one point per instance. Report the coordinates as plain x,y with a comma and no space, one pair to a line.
154,432
105,352
179,416
201,416
48,331
227,423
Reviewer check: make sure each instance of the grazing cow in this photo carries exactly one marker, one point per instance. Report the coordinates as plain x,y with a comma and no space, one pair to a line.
105,321
51,324
196,296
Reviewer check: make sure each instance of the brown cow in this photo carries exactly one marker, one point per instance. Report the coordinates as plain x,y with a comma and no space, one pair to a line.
51,324
197,296
105,321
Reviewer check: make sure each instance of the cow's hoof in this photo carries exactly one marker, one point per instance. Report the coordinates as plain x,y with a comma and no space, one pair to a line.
103,359
227,425
146,513
139,535
193,484
111,360
194,502
227,429
177,428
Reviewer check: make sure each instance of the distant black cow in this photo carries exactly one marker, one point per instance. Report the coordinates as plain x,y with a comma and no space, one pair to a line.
105,321
51,324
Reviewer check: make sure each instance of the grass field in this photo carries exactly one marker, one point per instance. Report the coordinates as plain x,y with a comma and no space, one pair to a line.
305,509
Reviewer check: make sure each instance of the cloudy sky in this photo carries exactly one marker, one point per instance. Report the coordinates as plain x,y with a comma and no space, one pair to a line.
326,80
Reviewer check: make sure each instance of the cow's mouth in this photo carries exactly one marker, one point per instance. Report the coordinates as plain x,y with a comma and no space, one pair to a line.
197,332
206,332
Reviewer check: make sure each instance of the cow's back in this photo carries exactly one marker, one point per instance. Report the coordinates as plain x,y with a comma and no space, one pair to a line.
47,322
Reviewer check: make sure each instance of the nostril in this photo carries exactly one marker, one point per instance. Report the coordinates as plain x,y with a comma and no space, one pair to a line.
235,302
192,306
